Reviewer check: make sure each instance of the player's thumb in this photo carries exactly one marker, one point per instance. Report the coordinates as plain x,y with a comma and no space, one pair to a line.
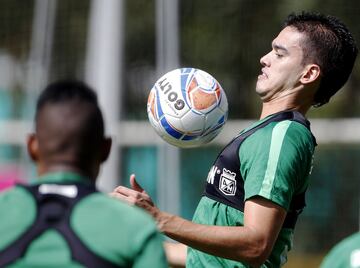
134,184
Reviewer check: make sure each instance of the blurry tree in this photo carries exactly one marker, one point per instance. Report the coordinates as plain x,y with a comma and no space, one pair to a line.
15,29
226,38
140,49
70,37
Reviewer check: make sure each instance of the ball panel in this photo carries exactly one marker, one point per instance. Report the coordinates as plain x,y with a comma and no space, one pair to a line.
214,118
223,103
205,80
151,104
170,129
203,101
168,92
218,92
175,123
193,123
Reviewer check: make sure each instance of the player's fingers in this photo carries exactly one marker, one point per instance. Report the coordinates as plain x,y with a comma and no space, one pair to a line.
134,195
134,184
116,188
139,200
125,191
121,197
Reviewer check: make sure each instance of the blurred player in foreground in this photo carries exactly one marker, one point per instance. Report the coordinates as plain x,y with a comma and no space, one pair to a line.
256,188
62,220
346,254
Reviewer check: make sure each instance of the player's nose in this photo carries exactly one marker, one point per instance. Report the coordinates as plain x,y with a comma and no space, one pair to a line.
265,60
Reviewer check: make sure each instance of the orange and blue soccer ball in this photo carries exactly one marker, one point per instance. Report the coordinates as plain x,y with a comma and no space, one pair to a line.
187,107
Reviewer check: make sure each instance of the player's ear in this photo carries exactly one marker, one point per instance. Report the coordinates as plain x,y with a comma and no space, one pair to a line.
311,74
106,148
33,147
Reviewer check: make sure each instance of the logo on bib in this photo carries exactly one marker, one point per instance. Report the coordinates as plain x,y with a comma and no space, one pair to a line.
227,184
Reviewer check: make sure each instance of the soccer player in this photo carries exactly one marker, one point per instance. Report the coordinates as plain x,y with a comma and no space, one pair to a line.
62,220
256,187
346,254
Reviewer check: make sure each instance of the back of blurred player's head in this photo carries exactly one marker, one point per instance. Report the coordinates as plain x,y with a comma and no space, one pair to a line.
69,128
328,44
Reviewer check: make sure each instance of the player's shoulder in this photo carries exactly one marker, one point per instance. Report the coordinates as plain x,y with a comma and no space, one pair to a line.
115,218
297,131
285,129
345,252
287,134
112,228
352,241
289,129
16,194
23,212
112,206
289,125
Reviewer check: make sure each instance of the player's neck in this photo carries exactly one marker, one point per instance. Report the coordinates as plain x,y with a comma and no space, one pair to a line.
299,100
273,108
60,167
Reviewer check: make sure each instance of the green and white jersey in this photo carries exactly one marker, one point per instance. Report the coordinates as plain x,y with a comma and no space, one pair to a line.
271,159
121,234
346,254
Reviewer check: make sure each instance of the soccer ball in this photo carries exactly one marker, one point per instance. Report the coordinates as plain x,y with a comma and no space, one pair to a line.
187,107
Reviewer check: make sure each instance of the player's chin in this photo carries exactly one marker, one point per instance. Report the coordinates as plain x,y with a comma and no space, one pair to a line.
260,89
263,87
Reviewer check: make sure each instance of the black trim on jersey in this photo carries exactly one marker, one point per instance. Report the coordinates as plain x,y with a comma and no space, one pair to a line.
225,183
53,212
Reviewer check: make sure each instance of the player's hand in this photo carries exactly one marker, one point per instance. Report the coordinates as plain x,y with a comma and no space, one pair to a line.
135,196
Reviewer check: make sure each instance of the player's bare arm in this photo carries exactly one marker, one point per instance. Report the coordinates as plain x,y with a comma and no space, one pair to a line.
176,254
251,243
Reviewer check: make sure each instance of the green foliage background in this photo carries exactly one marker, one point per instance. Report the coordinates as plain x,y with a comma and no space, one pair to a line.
225,38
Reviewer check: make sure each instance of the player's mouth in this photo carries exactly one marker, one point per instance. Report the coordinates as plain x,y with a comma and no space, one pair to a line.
263,75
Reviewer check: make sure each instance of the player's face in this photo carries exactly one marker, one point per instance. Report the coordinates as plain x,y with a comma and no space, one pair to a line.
282,67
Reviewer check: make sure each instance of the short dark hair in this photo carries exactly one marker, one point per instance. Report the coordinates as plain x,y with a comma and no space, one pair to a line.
328,44
83,139
69,90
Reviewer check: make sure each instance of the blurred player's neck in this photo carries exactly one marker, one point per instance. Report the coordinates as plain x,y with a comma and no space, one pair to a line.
295,100
59,167
272,108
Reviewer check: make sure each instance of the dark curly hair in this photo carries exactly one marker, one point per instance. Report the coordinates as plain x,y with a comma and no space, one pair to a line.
329,44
